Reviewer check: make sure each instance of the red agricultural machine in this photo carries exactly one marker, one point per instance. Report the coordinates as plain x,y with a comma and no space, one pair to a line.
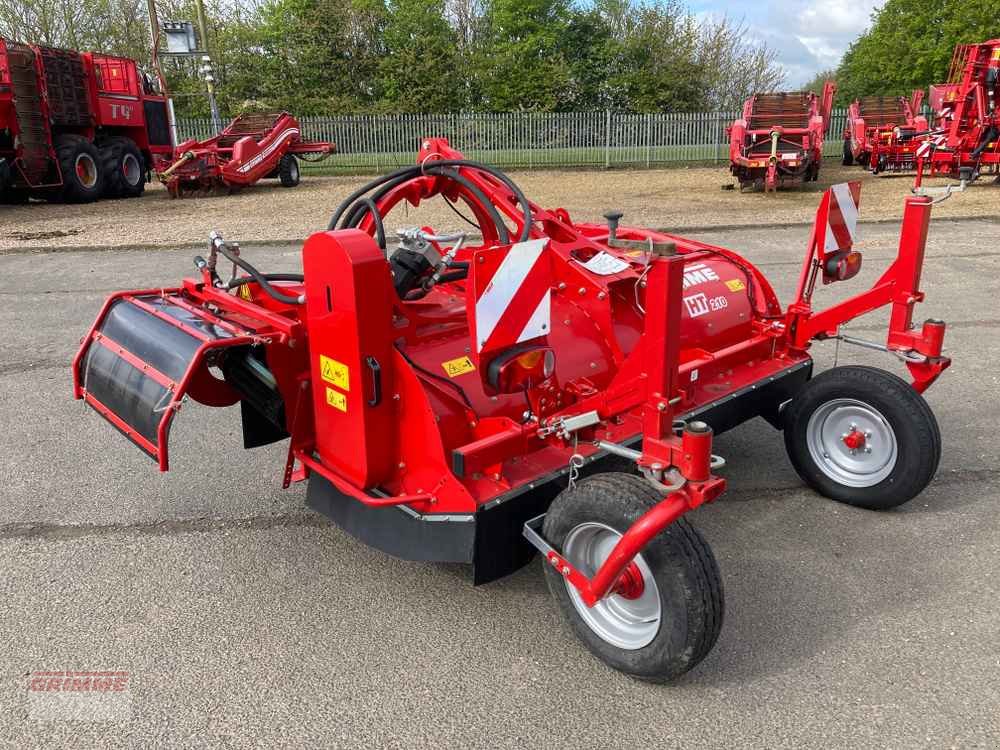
552,387
76,126
779,138
252,147
966,143
880,132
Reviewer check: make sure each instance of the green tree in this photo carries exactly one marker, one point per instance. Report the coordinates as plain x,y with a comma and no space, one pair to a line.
910,45
423,68
519,63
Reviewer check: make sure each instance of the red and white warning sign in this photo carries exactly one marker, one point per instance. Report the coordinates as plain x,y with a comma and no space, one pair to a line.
841,203
512,295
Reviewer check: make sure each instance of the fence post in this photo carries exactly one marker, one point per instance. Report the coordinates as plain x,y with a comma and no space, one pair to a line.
649,138
607,139
716,137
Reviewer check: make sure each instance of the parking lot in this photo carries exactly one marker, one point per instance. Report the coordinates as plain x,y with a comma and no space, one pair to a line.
241,617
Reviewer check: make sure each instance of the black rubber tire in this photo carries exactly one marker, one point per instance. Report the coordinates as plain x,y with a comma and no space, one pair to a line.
916,430
288,171
124,168
848,154
68,149
680,560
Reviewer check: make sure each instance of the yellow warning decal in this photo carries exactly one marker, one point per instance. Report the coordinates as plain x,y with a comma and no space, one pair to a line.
455,367
336,399
736,285
334,372
244,292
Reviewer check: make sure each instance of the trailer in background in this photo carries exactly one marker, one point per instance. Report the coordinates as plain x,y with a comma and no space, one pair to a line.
779,138
77,126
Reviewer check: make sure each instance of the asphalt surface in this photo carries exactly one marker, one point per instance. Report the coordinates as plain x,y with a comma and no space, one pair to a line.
244,619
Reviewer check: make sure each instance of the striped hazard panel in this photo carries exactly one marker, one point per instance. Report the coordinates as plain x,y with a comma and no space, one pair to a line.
511,295
838,211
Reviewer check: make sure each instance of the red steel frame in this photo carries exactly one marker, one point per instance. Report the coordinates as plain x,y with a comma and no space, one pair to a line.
638,396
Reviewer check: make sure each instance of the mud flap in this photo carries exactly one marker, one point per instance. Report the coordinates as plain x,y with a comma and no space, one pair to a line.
144,355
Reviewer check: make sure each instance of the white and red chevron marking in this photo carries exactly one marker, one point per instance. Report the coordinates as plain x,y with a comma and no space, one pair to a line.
842,202
513,295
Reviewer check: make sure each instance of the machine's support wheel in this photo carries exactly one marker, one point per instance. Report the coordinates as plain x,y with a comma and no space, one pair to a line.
848,154
80,164
288,171
862,436
124,168
670,615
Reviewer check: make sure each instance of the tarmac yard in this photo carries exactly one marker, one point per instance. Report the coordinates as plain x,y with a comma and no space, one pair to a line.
241,618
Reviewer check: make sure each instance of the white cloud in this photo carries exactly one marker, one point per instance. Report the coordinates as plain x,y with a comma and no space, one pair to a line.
807,35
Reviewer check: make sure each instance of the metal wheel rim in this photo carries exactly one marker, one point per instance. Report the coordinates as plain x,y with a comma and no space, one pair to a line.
131,169
628,624
86,170
865,467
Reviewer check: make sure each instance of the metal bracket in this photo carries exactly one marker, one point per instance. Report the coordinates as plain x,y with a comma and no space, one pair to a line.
907,355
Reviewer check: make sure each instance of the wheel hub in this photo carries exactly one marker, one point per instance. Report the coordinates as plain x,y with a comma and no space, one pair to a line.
86,170
630,616
852,442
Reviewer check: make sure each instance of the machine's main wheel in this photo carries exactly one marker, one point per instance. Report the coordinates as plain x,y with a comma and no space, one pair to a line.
848,154
124,168
288,171
862,436
80,164
669,616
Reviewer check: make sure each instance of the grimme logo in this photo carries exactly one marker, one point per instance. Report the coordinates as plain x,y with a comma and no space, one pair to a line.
79,696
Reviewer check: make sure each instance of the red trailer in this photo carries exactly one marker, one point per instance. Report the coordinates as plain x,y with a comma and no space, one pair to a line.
880,130
966,142
779,138
451,401
250,148
76,126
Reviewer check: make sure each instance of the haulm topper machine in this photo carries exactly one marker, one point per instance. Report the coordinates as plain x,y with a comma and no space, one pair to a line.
552,387
779,138
252,147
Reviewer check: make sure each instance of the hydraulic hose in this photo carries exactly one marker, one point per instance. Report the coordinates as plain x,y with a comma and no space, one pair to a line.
357,213
259,277
439,168
241,280
990,134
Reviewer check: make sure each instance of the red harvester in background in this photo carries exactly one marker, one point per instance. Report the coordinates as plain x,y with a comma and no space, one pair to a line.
76,126
250,148
967,138
880,131
779,139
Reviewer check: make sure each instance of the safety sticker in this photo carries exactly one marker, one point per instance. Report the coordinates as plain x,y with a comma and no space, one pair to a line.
455,367
336,399
334,372
244,292
605,264
736,285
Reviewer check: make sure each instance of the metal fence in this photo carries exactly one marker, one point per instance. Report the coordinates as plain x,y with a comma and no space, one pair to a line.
376,143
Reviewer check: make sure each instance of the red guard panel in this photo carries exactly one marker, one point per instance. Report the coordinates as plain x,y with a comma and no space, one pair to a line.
349,322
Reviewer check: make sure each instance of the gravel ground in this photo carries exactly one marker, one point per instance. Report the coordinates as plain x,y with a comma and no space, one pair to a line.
680,198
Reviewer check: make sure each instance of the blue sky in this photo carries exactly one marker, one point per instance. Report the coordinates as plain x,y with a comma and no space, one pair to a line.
808,35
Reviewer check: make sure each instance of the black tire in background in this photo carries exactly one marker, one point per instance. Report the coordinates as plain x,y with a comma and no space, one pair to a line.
80,164
905,441
688,587
848,154
124,168
288,171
